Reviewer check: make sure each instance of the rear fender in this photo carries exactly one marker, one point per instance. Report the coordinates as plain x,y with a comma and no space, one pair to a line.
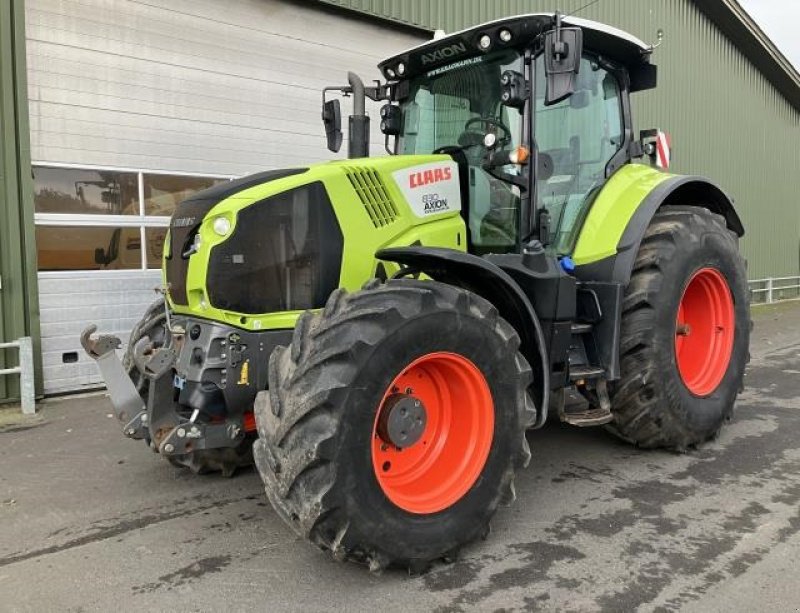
491,283
675,189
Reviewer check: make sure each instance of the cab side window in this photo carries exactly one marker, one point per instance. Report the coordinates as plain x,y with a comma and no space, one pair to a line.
580,135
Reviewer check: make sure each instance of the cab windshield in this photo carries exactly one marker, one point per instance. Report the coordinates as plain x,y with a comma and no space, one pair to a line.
455,106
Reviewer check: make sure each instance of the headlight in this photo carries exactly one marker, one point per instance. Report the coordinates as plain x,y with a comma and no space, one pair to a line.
222,226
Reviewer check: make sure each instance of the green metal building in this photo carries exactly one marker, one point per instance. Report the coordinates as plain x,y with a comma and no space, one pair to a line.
19,310
103,94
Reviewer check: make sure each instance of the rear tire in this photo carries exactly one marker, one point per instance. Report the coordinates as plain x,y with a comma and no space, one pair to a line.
667,396
316,446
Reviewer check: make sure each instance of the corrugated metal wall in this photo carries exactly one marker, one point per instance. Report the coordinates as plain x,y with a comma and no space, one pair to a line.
19,310
727,121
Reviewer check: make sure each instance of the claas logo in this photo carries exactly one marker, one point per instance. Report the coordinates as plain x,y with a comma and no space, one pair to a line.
426,177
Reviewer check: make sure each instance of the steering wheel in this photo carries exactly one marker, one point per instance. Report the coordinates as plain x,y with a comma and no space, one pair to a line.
472,137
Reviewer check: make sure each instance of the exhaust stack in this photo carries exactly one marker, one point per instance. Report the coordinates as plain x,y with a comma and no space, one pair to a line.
358,143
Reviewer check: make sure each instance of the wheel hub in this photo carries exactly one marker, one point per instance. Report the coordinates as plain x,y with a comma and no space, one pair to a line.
704,331
427,456
402,420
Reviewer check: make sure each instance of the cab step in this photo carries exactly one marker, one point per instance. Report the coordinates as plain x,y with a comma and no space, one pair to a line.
580,328
581,373
593,416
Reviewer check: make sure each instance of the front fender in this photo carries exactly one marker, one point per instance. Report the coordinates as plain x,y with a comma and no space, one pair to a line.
493,284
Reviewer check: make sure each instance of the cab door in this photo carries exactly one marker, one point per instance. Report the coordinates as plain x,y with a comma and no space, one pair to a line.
578,137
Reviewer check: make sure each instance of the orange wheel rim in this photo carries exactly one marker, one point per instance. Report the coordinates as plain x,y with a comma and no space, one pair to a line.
455,420
704,331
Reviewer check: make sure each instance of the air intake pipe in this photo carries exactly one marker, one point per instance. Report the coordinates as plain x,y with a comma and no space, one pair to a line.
358,140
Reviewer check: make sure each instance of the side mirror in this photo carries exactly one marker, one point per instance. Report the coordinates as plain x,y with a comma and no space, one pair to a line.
332,118
562,59
391,120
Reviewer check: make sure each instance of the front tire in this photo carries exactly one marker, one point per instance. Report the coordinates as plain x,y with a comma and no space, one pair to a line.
323,449
684,333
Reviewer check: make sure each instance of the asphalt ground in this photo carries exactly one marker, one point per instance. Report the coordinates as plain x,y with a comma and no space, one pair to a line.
90,521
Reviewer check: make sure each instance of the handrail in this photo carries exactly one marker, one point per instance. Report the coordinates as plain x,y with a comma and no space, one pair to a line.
25,372
773,286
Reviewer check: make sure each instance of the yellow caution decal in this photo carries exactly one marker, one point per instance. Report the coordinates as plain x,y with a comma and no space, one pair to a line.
244,375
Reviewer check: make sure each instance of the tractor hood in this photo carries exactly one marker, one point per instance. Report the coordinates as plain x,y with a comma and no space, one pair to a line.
257,251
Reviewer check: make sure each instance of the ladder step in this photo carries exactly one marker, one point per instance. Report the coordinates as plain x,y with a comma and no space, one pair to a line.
586,372
589,417
579,328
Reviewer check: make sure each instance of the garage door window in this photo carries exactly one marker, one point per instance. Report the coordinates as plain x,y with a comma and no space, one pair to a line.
99,219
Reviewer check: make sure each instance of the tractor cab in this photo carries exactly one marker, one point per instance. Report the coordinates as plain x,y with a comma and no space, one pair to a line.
534,108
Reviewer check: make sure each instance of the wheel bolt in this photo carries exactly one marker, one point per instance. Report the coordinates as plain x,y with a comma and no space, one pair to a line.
169,448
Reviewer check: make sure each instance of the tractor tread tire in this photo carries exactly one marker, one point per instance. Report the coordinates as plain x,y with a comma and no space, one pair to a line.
651,407
153,317
302,416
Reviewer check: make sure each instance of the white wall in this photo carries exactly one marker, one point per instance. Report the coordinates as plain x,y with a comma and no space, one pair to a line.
114,300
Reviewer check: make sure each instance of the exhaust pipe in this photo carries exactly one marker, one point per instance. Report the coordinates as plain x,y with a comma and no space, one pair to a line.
358,142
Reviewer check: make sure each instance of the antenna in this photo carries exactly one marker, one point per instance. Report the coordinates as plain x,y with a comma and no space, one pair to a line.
659,40
585,6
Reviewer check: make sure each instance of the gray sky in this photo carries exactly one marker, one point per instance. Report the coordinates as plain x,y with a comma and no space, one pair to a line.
780,19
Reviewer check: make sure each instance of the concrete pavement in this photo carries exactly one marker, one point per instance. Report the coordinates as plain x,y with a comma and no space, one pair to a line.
90,521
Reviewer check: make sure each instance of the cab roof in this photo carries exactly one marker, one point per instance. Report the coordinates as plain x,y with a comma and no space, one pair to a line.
615,44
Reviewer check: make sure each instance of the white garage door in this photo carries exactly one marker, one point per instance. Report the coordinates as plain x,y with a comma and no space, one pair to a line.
136,103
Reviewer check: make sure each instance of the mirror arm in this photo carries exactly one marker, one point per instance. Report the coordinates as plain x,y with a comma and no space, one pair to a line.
390,151
496,160
558,47
345,90
378,92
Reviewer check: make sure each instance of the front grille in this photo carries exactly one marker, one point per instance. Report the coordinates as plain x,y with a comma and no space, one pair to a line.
373,195
189,215
284,254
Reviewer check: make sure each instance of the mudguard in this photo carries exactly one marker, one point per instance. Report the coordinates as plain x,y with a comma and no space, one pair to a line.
490,282
614,227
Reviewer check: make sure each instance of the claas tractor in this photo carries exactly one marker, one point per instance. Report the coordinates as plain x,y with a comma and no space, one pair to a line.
381,332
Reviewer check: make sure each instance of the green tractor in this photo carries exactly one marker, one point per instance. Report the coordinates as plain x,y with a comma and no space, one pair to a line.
381,332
